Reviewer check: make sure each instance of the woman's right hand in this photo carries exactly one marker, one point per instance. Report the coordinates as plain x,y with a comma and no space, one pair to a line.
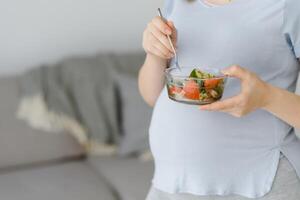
155,39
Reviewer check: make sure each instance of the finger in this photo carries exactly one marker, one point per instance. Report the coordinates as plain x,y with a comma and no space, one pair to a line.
156,51
171,24
163,49
227,104
230,111
235,71
162,26
160,36
158,45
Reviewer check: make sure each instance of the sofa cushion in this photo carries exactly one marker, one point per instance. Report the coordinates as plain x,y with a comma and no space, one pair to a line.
130,177
70,181
136,116
129,63
20,144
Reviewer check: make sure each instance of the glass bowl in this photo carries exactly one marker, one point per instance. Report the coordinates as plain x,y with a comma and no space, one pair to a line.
191,90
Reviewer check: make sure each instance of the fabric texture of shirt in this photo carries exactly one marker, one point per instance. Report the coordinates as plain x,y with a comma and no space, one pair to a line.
285,187
214,153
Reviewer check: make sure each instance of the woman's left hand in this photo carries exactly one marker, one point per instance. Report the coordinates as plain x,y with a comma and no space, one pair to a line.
253,95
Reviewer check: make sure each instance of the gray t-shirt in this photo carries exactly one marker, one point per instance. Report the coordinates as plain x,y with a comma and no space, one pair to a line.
203,152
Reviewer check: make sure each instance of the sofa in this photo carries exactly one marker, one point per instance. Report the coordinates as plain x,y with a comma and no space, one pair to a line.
37,165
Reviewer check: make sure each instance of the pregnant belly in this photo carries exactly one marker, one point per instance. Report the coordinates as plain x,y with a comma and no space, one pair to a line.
179,132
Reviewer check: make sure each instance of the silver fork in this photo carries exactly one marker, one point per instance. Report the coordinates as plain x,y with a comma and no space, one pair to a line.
170,41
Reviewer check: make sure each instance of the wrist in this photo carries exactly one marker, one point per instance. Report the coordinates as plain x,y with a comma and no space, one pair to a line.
270,97
156,58
155,61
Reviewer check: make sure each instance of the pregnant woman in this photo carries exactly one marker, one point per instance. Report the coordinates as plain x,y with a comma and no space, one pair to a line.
243,146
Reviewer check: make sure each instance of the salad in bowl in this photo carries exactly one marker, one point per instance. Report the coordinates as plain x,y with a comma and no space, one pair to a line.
198,86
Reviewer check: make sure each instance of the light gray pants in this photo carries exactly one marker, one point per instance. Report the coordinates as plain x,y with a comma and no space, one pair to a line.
286,187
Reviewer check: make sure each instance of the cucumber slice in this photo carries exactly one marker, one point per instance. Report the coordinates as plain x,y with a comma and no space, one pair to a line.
193,74
196,73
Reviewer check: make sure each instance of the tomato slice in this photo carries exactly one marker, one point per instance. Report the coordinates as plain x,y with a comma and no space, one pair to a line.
175,90
191,89
211,83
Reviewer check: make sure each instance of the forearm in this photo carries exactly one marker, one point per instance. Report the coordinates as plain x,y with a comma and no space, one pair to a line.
151,78
284,104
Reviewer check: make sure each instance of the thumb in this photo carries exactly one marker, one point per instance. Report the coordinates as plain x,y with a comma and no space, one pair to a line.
235,71
171,24
174,32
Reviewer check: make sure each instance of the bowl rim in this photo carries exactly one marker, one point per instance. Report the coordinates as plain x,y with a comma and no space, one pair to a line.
167,73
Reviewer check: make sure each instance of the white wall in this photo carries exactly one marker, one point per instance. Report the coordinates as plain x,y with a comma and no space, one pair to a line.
39,31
